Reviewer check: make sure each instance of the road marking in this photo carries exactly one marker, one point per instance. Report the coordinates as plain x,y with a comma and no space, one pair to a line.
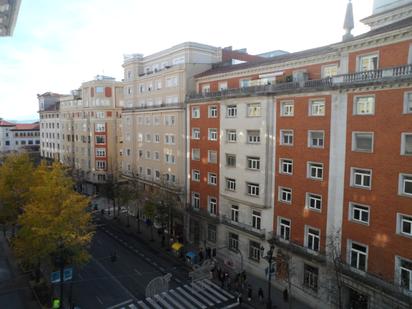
121,304
99,300
161,268
147,259
177,280
154,264
141,254
137,272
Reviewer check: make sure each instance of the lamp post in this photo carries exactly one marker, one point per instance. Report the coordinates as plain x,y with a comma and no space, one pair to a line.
269,259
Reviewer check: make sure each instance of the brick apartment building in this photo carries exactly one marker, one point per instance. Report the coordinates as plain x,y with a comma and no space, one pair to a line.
19,137
311,152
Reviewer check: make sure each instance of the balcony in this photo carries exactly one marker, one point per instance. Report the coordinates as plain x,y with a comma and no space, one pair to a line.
297,249
156,107
202,214
386,75
243,227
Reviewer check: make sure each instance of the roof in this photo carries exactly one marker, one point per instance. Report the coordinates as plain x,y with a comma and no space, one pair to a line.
4,123
305,53
26,126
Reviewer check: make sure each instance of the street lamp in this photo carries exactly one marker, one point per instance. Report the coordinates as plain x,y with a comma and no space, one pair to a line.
269,259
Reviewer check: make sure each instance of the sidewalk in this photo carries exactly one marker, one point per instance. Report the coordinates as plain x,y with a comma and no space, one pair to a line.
255,282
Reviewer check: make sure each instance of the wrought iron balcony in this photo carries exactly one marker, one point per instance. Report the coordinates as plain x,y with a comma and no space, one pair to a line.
202,214
156,106
318,256
261,233
391,74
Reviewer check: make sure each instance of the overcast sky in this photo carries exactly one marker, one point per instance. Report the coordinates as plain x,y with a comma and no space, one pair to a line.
57,45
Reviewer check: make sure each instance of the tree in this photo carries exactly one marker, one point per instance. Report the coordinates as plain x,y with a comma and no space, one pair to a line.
335,262
55,222
16,177
111,192
150,212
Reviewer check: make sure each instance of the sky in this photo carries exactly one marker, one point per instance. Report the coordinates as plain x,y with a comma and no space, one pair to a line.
57,45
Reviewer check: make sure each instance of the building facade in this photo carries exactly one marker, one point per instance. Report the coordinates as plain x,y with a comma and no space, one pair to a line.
19,137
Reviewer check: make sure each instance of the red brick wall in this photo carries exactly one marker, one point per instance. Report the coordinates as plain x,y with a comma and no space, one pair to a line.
300,123
204,123
386,163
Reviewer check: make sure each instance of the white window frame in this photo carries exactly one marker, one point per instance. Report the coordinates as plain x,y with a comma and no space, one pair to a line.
227,155
231,136
209,153
287,108
316,166
234,213
195,112
326,74
320,110
212,205
194,151
320,143
256,219
286,132
230,184
317,198
355,171
196,200
252,189
285,166
400,220
404,178
312,238
253,163
253,138
231,111
403,143
212,111
196,175
254,110
355,208
211,179
284,228
350,243
354,143
196,133
285,195
212,134
369,56
222,86
356,100
205,88
398,273
407,102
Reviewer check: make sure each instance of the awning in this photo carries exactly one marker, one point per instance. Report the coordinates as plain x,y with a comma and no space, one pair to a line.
176,246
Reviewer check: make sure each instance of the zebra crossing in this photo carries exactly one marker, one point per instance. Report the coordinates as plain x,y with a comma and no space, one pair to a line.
201,294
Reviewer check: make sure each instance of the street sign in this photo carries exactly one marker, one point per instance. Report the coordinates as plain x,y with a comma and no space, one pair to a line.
55,277
68,273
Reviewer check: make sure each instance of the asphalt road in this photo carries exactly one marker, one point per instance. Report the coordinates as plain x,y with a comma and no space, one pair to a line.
103,283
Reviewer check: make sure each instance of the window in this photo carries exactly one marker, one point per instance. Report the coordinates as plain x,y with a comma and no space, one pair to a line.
252,189
256,219
222,86
100,127
171,81
148,138
196,112
211,233
317,108
368,62
315,171
99,89
310,277
195,133
405,184
407,103
312,238
170,120
231,136
358,255
314,201
170,159
233,242
140,153
211,178
230,160
100,165
206,88
195,200
212,156
254,250
359,213
253,163
157,175
230,184
316,139
148,172
361,178
170,139
329,70
404,270
253,136
286,137
100,139
284,228
195,175
364,105
406,144
286,166
285,195
234,215
196,154
212,111
404,225
253,110
212,134
231,111
156,155
286,109
157,138
362,141
100,152
244,83
212,205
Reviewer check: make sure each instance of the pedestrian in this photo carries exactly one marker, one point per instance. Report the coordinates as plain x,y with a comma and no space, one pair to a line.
285,295
239,300
201,255
260,295
249,293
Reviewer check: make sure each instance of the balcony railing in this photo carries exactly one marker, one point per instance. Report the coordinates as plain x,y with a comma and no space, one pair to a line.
344,80
318,256
156,106
243,227
202,213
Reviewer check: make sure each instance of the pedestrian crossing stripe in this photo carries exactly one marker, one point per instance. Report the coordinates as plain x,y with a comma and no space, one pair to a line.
202,294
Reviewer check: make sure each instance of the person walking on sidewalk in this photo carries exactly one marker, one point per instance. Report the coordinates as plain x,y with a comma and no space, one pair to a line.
260,295
249,293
